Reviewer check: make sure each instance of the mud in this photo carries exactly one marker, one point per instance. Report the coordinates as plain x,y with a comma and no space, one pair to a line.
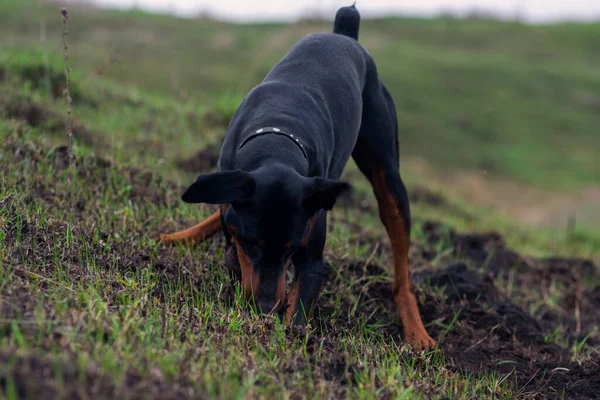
204,160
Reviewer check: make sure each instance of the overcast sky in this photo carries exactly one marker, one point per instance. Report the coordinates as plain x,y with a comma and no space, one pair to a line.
534,11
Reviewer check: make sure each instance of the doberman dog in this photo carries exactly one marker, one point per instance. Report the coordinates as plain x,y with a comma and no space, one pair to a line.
278,173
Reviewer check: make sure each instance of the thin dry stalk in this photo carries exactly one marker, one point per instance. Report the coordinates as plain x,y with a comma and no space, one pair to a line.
67,94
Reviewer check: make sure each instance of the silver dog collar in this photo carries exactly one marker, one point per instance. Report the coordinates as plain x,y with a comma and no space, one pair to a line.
276,131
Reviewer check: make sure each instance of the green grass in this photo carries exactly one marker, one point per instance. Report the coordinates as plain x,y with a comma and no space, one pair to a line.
130,309
89,301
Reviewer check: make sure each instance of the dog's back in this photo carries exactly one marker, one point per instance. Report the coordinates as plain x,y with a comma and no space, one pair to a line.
315,92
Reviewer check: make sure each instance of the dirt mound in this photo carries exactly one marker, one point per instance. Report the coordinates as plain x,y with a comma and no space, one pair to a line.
26,375
37,115
573,281
479,328
31,113
421,194
203,161
491,333
98,173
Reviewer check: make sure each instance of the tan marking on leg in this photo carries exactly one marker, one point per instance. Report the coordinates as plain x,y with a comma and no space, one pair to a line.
250,279
292,302
311,227
281,286
414,331
197,234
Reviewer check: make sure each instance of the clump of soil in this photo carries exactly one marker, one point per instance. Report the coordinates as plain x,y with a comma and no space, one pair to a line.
204,160
31,113
421,194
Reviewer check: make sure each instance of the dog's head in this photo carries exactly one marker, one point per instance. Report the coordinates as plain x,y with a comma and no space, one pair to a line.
271,214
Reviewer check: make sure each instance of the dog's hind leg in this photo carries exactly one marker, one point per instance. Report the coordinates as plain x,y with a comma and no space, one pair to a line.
196,234
376,154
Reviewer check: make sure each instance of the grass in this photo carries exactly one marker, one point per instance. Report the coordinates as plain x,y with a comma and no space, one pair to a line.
91,305
99,292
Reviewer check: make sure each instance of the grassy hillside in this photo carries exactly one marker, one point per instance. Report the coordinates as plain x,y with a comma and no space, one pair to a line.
92,306
516,101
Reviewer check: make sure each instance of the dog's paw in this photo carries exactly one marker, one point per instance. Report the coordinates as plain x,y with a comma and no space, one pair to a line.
420,341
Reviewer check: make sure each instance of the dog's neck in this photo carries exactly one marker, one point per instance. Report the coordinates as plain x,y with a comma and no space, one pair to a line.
267,149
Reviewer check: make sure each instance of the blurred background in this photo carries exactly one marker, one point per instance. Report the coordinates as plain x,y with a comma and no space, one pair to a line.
531,11
498,101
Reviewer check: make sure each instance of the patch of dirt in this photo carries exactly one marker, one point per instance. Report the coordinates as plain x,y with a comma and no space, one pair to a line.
30,374
577,307
202,161
488,331
141,185
421,194
36,115
493,334
31,113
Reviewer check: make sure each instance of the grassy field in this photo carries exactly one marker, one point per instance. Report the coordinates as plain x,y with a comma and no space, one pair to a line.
92,306
506,98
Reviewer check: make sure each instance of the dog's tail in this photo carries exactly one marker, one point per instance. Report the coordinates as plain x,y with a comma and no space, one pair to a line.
347,21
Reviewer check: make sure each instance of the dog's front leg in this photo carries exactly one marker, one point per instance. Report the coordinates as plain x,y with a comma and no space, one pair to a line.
304,292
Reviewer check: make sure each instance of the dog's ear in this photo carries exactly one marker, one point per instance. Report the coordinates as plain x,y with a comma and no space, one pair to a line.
221,187
324,193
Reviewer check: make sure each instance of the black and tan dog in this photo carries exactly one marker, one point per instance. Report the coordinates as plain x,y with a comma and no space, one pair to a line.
285,149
